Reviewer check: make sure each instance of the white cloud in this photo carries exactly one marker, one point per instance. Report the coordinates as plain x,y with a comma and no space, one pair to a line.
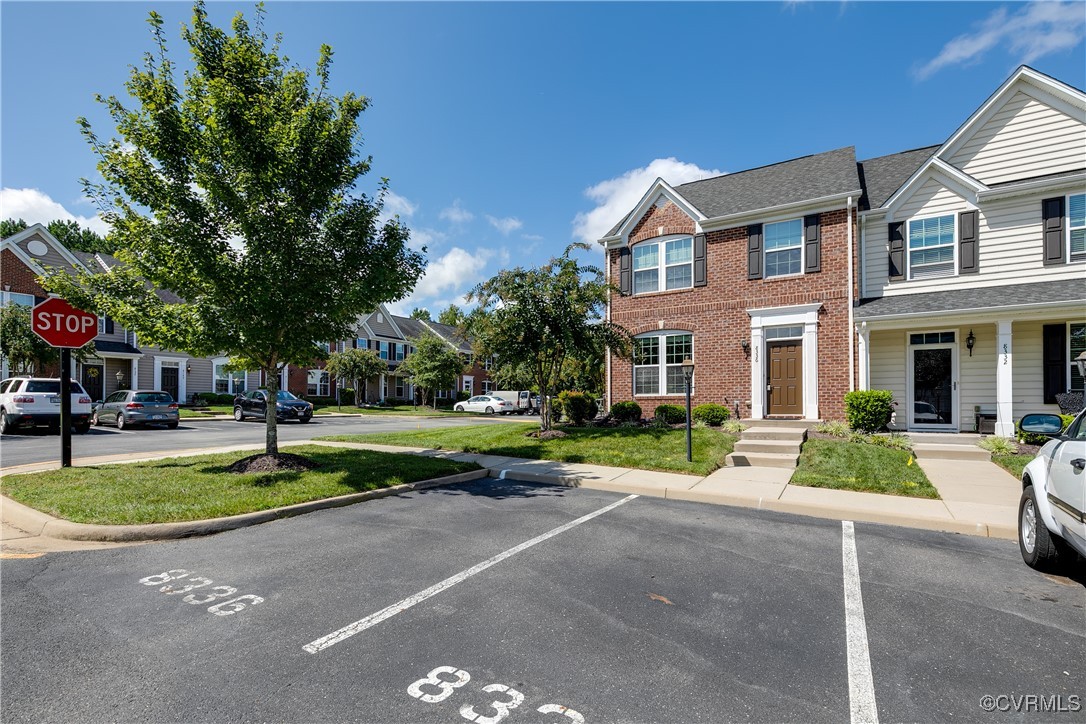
617,196
531,237
1038,29
456,213
34,207
396,205
425,237
447,277
506,225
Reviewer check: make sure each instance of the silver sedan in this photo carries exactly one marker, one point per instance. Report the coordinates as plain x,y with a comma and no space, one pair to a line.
485,403
125,408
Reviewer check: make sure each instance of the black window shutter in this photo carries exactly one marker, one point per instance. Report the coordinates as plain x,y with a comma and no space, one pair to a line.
109,326
968,235
896,232
754,251
1054,349
700,278
625,281
38,300
1052,228
812,245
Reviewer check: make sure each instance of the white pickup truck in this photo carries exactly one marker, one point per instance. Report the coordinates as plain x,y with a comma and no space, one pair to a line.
27,402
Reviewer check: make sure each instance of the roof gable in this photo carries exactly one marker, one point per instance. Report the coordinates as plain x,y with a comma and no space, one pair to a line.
659,190
37,248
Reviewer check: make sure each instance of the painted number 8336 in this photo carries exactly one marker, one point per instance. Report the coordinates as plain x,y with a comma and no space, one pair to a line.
440,684
188,582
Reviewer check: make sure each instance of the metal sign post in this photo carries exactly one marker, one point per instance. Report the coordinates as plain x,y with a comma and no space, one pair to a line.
65,407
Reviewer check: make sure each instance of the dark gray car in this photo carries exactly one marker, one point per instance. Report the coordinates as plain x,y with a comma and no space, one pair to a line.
125,408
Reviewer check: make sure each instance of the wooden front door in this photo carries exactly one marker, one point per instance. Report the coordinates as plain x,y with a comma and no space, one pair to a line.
92,381
785,376
170,381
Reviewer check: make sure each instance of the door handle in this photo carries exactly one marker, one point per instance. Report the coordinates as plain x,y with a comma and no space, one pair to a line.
1078,463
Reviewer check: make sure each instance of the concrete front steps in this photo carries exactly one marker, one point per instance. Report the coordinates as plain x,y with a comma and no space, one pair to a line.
774,445
959,446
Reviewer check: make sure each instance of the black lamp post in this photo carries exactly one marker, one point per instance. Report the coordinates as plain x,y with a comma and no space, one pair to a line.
688,376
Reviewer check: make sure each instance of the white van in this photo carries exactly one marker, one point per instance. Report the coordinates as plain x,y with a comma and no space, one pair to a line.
524,402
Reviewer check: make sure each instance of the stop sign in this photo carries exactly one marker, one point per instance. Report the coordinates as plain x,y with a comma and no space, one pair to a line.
62,325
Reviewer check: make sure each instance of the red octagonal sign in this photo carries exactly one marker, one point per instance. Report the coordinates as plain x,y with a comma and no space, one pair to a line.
62,325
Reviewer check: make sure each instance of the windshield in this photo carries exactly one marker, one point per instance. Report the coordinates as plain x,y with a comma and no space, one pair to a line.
284,395
152,397
52,386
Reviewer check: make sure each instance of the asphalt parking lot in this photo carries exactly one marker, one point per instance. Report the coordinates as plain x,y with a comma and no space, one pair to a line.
499,600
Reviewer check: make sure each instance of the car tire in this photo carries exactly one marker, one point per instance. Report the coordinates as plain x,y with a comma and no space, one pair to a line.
239,416
172,425
489,410
121,422
95,420
458,408
304,420
1039,550
82,429
5,428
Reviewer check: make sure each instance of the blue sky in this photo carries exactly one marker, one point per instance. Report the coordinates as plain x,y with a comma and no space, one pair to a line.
509,130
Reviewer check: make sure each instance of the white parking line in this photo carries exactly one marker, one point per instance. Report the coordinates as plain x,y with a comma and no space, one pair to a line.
861,686
386,613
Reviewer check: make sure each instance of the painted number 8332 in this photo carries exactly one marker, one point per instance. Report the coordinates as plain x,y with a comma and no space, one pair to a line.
440,684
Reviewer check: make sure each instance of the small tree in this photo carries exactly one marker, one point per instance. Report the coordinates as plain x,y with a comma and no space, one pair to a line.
25,351
237,193
452,315
434,365
420,313
356,365
542,316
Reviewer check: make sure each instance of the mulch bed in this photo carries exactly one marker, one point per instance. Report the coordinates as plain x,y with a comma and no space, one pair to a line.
546,434
282,462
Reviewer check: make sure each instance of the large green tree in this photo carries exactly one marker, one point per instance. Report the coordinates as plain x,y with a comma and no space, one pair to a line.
434,365
544,316
235,190
356,365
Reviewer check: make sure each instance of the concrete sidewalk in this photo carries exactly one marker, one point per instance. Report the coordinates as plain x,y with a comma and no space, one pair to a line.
978,497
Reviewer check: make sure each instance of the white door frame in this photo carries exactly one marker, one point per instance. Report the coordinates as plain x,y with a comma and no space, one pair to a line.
955,406
801,314
182,362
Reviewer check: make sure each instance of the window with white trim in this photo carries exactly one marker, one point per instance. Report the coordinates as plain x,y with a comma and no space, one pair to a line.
317,383
361,343
672,260
326,346
487,387
1076,340
1076,227
931,247
658,361
399,352
783,248
226,381
23,300
468,385
401,388
383,347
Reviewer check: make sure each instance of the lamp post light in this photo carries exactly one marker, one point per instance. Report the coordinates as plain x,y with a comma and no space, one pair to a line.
688,376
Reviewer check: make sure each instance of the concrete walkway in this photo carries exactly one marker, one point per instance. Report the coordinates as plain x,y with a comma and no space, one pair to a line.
978,497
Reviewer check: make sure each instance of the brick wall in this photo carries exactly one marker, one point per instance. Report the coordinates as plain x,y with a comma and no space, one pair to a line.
18,275
716,314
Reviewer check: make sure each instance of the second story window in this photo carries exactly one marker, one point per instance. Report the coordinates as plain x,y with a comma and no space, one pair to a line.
399,351
662,265
931,247
1076,226
384,350
361,343
784,248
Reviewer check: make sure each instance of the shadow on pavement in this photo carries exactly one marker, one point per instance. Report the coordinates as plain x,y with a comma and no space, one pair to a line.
498,489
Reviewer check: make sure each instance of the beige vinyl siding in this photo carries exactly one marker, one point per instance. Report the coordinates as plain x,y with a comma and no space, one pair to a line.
52,258
1024,139
199,379
888,369
1009,246
976,374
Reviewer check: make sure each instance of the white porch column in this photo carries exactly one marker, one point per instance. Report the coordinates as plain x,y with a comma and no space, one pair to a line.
810,368
1004,380
757,372
863,351
134,374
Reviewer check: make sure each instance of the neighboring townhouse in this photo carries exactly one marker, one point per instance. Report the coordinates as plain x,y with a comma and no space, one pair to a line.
962,254
973,264
746,274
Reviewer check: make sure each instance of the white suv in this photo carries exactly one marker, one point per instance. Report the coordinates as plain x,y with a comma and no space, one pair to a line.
35,402
1052,512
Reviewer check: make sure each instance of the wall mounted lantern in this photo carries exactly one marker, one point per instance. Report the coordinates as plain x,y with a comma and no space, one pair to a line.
970,341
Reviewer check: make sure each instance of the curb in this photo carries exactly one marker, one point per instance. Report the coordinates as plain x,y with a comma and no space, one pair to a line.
37,523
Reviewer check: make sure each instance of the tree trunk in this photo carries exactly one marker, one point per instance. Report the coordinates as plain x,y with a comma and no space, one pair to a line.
271,444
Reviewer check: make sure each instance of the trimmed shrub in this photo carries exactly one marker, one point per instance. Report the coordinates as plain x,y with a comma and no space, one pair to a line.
346,396
461,395
671,414
626,411
711,414
868,410
577,406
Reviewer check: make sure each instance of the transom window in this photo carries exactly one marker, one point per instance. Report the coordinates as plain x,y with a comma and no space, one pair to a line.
673,260
1076,223
783,248
932,338
658,363
794,332
931,247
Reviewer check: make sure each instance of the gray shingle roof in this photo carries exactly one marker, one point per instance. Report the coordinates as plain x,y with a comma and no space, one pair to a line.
882,176
107,345
988,298
411,328
789,182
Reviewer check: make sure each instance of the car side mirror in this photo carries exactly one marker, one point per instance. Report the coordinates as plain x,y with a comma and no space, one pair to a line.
1042,424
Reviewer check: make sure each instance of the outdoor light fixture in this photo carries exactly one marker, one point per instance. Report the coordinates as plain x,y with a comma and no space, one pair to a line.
745,344
688,376
1080,362
969,342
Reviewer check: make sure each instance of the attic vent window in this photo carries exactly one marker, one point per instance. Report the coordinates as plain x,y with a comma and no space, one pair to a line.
380,318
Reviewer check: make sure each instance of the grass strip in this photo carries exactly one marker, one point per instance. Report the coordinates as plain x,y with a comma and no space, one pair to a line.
1013,463
842,465
625,447
198,487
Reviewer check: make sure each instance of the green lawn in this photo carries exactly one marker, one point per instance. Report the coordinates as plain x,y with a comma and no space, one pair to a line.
329,409
1013,464
859,466
627,447
211,410
198,487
